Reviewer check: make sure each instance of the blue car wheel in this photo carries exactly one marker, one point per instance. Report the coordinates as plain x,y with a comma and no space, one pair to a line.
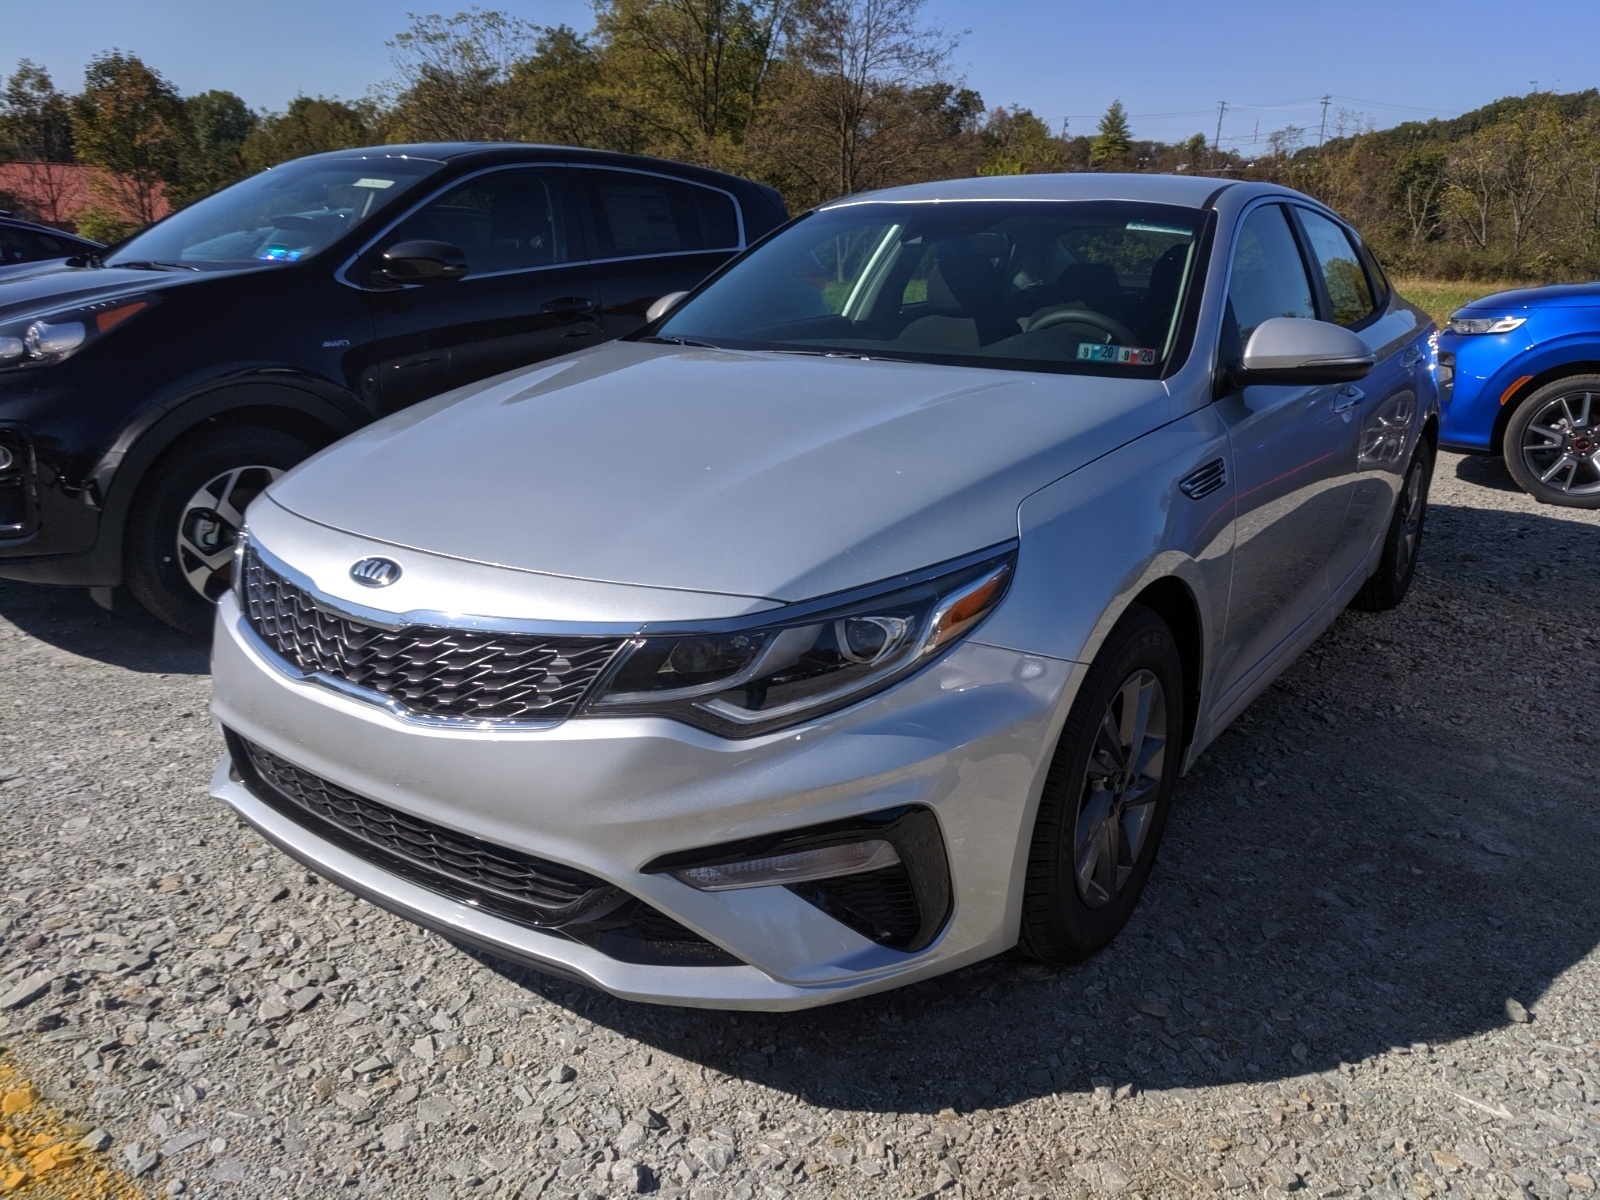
1552,443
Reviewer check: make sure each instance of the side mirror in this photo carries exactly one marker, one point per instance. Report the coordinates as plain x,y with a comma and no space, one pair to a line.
422,262
663,306
1297,350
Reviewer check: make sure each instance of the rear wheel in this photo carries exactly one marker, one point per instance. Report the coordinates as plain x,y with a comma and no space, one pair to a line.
1552,443
187,517
1106,799
1401,545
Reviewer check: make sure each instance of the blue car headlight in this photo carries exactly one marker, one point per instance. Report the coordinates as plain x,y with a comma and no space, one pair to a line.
1460,324
815,658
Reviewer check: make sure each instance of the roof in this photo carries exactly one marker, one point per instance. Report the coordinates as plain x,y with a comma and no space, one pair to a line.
60,193
1189,191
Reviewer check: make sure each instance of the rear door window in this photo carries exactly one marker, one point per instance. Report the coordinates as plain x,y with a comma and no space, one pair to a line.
637,215
1269,276
1349,292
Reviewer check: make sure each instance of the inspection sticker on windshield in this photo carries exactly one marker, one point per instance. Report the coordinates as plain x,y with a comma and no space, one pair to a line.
1135,356
374,183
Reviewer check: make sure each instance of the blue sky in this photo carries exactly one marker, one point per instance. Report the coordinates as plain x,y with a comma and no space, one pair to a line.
1169,62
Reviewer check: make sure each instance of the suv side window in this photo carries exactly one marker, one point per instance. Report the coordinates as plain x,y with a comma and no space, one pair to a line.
1269,276
1342,274
637,215
507,220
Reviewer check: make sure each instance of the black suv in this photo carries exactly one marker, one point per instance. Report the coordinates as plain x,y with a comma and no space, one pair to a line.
150,391
24,242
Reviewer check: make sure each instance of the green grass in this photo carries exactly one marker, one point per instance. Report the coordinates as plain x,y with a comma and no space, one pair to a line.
1440,299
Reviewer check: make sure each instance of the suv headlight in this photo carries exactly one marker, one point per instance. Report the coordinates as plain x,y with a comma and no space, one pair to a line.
51,337
1484,324
797,664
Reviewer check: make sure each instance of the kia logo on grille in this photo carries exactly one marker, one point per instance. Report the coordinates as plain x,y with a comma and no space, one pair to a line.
375,572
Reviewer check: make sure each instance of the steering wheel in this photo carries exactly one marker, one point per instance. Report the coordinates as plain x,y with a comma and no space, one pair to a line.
1082,316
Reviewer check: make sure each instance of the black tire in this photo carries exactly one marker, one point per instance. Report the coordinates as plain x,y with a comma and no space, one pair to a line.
165,574
1064,920
1402,544
1552,443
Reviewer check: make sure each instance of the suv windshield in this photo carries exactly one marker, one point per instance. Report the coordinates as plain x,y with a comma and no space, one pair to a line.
283,215
1078,285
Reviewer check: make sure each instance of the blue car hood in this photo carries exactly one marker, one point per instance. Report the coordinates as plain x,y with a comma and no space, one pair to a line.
769,475
1565,295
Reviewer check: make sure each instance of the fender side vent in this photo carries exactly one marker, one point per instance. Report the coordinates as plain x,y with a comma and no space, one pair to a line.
1201,483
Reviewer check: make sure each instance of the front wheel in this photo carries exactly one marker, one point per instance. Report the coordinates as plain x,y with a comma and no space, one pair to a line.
178,558
1106,799
1397,564
1552,443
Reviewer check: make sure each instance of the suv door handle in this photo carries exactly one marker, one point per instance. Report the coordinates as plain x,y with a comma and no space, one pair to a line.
1411,357
569,306
1348,398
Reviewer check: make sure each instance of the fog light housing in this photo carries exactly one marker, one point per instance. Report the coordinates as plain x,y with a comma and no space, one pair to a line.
799,866
884,874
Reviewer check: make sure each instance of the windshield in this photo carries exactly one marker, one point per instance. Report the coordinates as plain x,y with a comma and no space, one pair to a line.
1090,286
283,215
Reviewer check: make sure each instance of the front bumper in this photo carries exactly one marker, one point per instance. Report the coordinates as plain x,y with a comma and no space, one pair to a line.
970,738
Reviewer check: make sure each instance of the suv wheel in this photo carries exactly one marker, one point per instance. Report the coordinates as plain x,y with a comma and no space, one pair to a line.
1106,799
1552,443
186,519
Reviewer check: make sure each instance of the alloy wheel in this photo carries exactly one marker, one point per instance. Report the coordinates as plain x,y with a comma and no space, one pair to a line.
1413,497
210,525
1561,446
1121,786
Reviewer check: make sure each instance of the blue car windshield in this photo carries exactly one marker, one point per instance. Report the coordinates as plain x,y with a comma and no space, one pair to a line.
283,215
1076,285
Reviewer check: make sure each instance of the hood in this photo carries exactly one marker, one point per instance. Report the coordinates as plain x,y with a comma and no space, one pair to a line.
1563,295
767,475
41,287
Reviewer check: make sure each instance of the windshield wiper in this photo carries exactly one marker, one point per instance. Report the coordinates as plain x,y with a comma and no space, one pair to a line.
678,341
862,355
149,265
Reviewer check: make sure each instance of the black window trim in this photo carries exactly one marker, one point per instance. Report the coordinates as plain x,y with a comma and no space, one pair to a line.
343,273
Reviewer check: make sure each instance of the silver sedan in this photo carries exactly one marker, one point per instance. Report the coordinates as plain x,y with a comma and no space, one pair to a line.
857,620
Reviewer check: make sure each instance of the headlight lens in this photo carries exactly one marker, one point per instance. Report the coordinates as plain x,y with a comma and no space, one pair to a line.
37,341
1484,324
758,679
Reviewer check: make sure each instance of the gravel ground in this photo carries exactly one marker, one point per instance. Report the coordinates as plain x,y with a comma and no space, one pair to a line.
1367,963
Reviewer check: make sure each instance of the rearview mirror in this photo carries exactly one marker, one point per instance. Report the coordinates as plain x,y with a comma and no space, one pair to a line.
663,306
422,262
1297,350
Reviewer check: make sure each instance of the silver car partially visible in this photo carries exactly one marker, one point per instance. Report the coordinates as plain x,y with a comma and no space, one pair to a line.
856,621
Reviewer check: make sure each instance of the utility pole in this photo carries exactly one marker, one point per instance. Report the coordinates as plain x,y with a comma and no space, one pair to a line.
1216,142
1322,130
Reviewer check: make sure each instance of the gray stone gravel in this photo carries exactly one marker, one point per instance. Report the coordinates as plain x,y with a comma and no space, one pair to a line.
1367,963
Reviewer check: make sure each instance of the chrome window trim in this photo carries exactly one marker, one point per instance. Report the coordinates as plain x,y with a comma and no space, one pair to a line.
342,273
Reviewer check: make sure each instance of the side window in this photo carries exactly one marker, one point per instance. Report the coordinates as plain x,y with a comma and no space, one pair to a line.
507,220
1347,284
13,246
1380,281
1269,277
638,215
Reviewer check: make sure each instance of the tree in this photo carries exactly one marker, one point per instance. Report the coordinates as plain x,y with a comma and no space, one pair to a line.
36,133
451,76
1113,142
130,122
1015,142
855,114
219,125
1416,186
310,125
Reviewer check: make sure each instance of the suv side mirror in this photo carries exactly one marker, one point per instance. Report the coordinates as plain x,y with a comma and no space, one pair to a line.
1298,350
663,306
422,262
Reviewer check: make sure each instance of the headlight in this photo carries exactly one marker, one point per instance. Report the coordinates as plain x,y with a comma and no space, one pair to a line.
38,340
1484,324
792,666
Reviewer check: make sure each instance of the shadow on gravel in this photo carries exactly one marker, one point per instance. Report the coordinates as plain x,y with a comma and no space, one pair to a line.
1358,864
1486,471
130,638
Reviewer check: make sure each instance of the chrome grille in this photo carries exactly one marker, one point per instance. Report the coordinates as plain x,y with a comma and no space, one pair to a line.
428,670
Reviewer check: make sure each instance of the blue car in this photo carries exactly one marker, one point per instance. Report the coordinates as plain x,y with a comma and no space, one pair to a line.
1519,376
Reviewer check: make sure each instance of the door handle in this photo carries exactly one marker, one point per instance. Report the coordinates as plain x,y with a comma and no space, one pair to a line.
1411,357
1347,399
569,306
